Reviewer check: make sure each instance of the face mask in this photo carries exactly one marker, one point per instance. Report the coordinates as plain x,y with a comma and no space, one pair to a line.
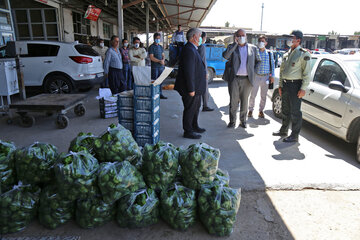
126,44
102,44
200,41
261,45
242,40
137,45
157,41
289,42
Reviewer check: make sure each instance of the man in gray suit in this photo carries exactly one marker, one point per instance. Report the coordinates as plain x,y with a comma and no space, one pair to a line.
242,58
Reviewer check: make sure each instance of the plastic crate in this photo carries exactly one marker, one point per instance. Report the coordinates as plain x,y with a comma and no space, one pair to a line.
146,91
148,129
125,113
147,116
125,101
111,114
144,103
128,124
143,139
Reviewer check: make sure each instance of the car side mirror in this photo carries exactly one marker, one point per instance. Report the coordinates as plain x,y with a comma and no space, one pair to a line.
337,85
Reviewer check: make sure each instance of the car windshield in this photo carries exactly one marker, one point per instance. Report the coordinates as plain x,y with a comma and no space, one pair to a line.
354,66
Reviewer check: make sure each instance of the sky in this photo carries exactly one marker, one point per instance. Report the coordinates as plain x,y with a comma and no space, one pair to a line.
283,16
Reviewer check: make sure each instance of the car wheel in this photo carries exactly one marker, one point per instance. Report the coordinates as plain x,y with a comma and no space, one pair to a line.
58,84
211,75
276,106
358,149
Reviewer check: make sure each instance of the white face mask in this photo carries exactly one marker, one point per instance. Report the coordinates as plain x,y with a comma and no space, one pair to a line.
261,45
126,44
102,44
242,40
137,45
289,42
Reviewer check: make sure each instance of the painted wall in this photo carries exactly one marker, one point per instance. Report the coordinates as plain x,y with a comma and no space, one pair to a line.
68,25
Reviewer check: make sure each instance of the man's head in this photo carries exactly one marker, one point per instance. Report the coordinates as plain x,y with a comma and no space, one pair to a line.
136,42
101,43
262,42
125,42
203,36
296,38
157,37
114,41
240,37
194,35
179,28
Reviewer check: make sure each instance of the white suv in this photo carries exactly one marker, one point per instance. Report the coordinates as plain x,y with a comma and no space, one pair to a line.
60,67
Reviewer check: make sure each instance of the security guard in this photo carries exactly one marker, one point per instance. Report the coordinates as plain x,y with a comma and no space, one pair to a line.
294,78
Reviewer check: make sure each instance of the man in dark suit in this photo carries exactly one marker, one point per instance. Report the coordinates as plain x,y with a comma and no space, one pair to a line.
243,59
191,83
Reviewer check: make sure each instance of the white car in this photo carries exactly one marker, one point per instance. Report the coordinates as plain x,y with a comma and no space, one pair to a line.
332,99
60,67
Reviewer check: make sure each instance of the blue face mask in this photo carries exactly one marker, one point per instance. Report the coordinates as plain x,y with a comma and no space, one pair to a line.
157,41
200,41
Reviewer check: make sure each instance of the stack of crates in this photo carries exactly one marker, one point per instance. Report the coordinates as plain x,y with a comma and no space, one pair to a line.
125,111
147,114
108,108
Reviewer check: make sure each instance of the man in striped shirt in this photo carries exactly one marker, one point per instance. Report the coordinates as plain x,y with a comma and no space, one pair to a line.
264,75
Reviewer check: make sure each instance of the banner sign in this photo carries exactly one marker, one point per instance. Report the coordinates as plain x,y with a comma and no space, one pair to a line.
92,13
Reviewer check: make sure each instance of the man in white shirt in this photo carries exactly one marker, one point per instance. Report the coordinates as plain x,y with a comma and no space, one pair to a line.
101,49
178,40
137,54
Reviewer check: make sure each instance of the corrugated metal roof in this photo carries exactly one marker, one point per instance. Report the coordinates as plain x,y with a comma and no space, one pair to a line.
168,13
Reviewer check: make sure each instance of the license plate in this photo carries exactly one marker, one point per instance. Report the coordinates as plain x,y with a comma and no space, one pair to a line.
99,74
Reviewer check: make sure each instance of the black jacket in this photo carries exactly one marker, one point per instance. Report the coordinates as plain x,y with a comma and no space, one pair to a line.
192,73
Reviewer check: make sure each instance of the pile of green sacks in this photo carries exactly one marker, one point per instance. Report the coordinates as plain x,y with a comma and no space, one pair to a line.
109,178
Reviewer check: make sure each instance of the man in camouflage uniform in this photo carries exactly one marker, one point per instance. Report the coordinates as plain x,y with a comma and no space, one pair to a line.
294,78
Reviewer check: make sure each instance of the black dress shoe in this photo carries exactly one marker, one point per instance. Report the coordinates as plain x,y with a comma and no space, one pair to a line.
199,130
162,97
231,125
207,109
291,139
280,134
242,124
192,135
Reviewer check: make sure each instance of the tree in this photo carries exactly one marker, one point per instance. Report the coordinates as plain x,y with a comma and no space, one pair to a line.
227,24
333,33
357,33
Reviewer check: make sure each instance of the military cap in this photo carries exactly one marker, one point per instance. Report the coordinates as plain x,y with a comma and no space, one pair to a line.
297,33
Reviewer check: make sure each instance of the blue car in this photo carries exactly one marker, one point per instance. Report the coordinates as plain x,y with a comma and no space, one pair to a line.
215,61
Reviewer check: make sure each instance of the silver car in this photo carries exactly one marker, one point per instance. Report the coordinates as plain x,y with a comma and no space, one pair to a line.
332,99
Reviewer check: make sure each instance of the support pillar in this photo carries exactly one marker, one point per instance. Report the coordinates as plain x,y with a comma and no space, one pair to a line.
147,25
120,20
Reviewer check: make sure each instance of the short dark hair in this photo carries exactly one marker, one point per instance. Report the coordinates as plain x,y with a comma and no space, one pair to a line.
124,40
100,39
179,25
203,34
113,37
157,35
135,39
262,37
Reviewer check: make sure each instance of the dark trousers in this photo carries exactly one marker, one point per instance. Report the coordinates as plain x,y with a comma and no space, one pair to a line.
191,112
155,73
205,97
290,107
127,76
116,81
239,90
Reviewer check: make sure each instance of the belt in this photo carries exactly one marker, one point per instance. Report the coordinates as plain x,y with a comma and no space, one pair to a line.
263,75
291,81
240,76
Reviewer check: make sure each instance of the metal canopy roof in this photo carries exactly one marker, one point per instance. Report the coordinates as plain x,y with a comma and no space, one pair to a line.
168,13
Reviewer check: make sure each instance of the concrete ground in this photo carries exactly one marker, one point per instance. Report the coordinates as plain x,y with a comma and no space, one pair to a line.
257,162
